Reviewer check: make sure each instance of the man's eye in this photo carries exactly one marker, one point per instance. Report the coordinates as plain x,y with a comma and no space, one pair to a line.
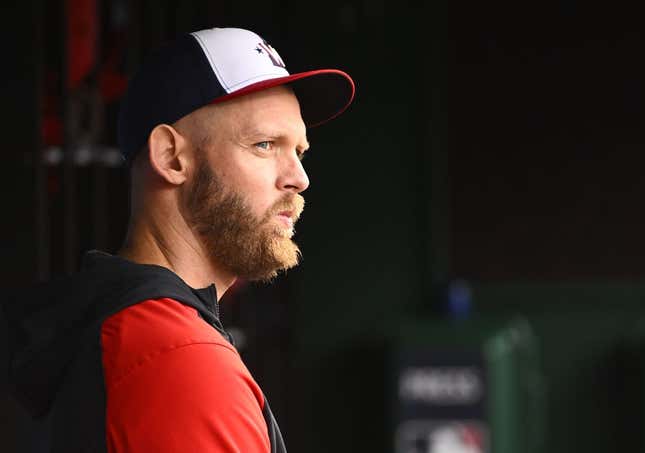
264,145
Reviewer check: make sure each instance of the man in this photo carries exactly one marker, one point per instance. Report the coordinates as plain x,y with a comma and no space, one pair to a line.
129,354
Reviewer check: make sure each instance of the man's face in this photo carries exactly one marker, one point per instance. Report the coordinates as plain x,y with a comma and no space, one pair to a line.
243,198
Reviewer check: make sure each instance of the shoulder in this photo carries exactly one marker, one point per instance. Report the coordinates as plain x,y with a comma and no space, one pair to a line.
173,383
151,329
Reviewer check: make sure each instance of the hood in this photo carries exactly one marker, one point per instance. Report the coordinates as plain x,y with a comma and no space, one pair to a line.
48,324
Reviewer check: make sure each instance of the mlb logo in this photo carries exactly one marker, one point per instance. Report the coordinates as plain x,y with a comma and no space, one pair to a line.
429,436
271,53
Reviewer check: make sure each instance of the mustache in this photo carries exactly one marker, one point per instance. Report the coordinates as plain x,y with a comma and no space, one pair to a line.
294,203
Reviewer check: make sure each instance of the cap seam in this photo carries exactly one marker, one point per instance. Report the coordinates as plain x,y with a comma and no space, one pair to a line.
204,47
259,76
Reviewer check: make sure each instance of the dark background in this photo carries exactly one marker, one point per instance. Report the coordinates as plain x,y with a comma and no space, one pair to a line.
496,142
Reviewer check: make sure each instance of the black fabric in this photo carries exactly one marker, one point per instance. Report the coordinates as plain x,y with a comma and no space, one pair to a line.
56,366
275,436
174,81
322,97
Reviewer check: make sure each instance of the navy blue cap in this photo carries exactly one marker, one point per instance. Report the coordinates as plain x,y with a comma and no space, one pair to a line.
215,65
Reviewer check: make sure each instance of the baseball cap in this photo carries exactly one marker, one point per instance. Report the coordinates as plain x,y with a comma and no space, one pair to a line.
215,65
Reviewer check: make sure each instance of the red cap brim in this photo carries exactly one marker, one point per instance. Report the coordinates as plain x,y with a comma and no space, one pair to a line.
323,94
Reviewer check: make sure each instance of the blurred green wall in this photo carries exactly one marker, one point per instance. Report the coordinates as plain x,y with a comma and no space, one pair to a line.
367,233
376,242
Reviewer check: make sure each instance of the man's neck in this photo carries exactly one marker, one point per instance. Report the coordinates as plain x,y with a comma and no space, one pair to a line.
177,249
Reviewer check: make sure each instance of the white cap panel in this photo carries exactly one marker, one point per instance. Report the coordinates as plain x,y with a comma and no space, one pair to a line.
239,57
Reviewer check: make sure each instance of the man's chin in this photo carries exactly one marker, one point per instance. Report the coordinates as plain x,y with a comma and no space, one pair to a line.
284,233
286,255
277,255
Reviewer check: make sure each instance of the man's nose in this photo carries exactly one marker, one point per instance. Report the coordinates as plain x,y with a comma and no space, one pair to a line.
293,175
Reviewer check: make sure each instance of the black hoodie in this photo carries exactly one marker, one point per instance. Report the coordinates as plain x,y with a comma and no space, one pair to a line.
55,367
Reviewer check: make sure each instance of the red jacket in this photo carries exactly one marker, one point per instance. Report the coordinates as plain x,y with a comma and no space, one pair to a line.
126,358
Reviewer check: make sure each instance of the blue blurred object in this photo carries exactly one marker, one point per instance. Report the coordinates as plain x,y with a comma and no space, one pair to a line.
458,299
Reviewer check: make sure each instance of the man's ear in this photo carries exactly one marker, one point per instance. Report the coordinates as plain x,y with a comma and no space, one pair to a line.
168,156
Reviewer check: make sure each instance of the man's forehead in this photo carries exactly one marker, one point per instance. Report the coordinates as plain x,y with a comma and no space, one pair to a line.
272,128
273,100
275,112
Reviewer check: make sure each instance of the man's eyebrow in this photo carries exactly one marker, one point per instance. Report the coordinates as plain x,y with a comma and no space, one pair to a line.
255,132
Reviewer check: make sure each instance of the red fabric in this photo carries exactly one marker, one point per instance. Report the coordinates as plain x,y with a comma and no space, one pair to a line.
82,36
173,384
112,84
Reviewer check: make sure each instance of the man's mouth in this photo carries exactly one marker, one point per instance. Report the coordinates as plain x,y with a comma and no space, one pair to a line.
287,212
286,218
